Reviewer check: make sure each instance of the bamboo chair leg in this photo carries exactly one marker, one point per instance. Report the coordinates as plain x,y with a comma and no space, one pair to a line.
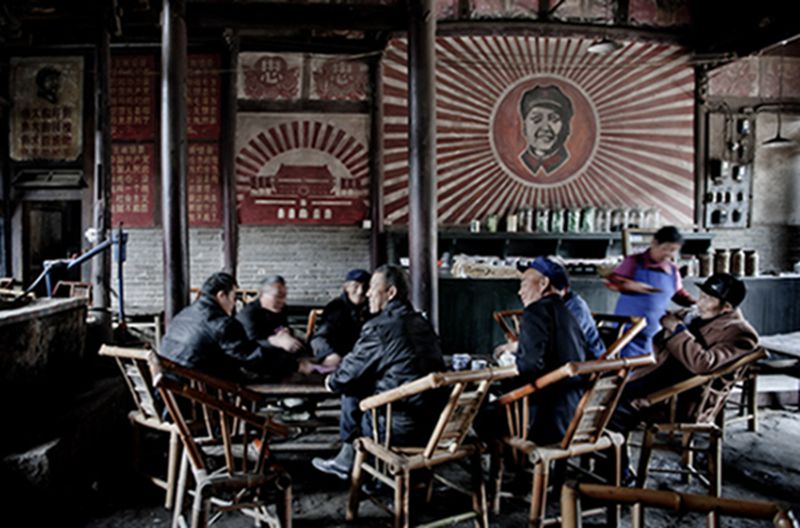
644,457
285,508
541,474
355,485
200,507
497,467
406,499
687,457
172,468
752,403
613,512
180,492
479,505
399,496
715,464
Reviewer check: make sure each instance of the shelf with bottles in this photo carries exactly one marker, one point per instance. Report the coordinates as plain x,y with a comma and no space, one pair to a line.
507,245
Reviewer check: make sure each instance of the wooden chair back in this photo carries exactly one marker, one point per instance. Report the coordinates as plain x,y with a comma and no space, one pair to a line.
226,411
313,315
468,389
509,321
617,331
605,380
134,363
715,389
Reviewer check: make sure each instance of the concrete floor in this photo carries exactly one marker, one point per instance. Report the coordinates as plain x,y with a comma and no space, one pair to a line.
757,466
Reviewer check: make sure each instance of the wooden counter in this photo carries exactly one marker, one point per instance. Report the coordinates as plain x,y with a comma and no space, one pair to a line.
466,306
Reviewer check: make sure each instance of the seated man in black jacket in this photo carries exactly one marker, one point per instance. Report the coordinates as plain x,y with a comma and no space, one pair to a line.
205,337
549,337
397,346
265,320
340,324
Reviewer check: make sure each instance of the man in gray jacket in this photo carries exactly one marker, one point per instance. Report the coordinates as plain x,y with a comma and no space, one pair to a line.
396,346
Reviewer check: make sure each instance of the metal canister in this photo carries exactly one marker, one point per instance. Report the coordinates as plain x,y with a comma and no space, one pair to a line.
706,260
587,220
737,262
557,221
721,261
528,220
573,220
475,226
542,220
491,223
751,263
511,222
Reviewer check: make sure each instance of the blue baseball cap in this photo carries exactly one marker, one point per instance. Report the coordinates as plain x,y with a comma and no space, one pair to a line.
550,269
358,275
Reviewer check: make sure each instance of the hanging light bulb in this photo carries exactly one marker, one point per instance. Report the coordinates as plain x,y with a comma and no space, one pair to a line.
778,140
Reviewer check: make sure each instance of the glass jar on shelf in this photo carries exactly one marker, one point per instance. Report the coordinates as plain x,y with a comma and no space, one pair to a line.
721,261
751,263
601,220
542,220
557,221
737,262
619,219
573,220
587,220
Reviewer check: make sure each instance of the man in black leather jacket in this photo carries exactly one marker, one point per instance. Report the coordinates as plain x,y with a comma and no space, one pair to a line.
397,346
340,324
205,336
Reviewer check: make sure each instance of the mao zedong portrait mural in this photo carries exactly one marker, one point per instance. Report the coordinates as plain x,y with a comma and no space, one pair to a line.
545,114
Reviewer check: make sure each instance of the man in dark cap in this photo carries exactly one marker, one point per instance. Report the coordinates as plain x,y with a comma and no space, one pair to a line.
340,324
549,337
690,344
546,114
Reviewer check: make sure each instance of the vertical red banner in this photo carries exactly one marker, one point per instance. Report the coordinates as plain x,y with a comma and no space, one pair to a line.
205,196
132,194
203,97
132,86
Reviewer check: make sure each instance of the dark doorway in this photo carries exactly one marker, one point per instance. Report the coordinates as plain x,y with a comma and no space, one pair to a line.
50,230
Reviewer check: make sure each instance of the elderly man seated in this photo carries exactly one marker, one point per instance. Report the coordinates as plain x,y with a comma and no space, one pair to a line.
396,346
205,336
549,337
340,324
690,344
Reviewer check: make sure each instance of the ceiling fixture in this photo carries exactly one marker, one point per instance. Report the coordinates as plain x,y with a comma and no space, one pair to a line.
603,46
778,140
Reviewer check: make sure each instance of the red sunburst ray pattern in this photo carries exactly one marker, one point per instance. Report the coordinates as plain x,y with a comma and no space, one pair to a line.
642,96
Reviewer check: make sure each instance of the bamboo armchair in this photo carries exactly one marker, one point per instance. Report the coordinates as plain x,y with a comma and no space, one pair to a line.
133,363
585,434
78,289
228,428
704,419
572,492
509,321
393,466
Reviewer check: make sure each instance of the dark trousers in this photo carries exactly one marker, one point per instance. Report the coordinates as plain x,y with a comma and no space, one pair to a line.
353,422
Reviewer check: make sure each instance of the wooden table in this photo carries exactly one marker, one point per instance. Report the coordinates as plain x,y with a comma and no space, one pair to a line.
787,344
320,431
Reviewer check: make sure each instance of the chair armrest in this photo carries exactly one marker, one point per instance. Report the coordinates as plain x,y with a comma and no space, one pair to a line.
678,388
575,368
436,380
123,352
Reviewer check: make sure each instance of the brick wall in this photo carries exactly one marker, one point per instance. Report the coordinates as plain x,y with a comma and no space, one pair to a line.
313,260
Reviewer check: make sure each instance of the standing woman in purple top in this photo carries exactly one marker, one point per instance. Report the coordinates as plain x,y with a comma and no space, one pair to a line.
647,282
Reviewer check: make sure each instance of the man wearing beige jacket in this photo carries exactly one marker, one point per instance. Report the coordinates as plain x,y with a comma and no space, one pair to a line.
690,344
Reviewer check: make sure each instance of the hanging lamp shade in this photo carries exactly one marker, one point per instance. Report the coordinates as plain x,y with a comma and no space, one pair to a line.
603,46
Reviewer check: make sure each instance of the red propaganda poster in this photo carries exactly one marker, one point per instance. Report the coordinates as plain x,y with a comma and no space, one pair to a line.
302,169
132,194
205,196
270,76
203,97
47,109
133,89
339,79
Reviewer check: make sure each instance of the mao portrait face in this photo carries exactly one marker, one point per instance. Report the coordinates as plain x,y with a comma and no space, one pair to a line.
48,84
545,114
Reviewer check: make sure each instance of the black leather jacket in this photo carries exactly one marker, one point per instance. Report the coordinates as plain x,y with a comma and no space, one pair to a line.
338,327
203,337
395,347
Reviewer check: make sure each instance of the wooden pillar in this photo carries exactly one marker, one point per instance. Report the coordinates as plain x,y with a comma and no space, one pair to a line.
101,202
5,175
700,142
377,241
230,226
422,161
173,157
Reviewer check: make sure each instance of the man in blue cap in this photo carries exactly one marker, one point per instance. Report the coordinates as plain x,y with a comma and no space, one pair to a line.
549,337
